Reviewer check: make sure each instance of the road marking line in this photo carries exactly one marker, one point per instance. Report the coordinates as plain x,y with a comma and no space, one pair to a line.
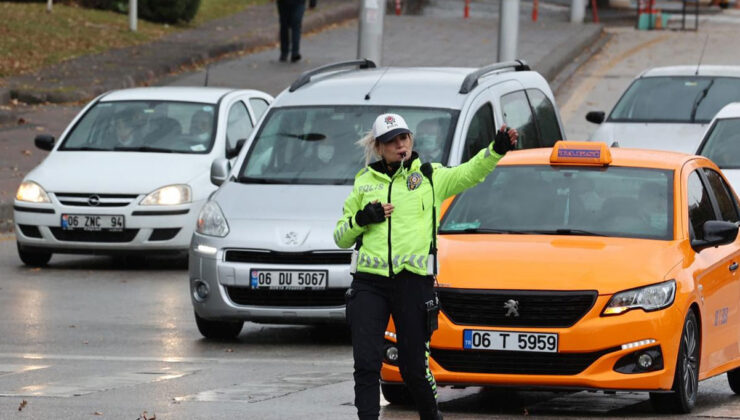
588,85
165,359
10,237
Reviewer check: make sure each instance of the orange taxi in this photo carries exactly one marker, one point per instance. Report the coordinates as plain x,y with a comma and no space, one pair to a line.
588,267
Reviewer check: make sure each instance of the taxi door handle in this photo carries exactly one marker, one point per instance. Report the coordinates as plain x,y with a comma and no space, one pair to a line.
733,266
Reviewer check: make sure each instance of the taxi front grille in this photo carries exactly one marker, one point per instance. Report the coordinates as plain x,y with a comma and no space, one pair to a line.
272,257
126,235
550,309
515,362
300,298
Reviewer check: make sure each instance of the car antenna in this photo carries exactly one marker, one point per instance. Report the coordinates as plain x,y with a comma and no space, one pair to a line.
208,67
701,57
367,96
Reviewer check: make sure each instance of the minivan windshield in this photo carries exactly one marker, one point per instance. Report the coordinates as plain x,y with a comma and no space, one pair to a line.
723,143
144,126
316,144
679,99
561,200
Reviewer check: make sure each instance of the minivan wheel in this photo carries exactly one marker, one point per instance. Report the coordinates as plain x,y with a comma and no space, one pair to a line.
396,394
733,377
33,258
218,330
686,380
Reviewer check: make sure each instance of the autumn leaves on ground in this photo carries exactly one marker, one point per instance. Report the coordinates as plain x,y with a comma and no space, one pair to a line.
31,38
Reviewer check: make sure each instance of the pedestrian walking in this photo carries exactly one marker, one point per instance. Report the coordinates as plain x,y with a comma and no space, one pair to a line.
291,18
391,218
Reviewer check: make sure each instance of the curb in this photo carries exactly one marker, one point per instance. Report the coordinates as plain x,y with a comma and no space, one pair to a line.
566,53
144,65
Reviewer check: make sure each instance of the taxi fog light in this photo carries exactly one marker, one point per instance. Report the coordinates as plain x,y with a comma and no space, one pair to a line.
648,298
640,361
201,290
645,360
31,192
168,196
391,354
207,250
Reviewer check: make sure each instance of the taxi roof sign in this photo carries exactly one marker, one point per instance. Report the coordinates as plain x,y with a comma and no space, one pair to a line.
580,153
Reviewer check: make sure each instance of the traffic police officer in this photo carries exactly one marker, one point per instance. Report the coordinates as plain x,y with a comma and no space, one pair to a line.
394,261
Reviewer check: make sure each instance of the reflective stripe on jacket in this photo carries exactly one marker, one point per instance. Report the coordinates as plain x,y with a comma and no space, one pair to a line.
403,241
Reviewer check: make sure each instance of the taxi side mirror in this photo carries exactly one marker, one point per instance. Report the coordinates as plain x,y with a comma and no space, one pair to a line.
716,232
596,117
220,169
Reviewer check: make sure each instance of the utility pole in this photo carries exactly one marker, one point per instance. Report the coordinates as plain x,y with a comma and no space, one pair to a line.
508,30
370,36
132,15
577,11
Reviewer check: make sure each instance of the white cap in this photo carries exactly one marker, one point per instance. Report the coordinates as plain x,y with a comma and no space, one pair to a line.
388,126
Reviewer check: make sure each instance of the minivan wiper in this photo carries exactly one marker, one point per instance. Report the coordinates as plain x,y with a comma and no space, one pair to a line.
702,95
142,149
580,232
250,180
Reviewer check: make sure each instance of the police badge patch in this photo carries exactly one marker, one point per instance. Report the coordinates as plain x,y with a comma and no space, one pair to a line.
413,181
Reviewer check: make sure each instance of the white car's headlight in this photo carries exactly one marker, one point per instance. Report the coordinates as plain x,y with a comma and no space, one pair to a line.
31,192
211,221
168,196
648,298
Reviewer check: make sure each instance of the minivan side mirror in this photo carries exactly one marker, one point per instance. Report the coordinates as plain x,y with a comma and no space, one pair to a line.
596,117
716,232
234,152
220,169
44,141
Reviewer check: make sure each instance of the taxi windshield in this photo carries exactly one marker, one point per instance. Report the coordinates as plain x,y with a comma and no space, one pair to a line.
722,145
685,99
566,200
144,126
316,145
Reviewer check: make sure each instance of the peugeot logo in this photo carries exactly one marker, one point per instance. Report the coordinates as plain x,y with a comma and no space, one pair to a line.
291,238
93,200
512,307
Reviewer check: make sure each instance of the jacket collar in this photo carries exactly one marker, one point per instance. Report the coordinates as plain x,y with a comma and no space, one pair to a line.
382,168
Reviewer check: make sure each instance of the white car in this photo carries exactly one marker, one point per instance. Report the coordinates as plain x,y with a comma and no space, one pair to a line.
131,171
721,143
668,108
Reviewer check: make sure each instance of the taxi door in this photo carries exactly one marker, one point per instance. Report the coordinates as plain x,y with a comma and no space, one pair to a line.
714,275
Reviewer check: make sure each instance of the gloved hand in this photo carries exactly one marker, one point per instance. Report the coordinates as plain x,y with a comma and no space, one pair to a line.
372,213
502,142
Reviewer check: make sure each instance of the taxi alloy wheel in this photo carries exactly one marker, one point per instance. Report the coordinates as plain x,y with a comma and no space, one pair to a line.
733,377
218,330
33,258
686,380
397,394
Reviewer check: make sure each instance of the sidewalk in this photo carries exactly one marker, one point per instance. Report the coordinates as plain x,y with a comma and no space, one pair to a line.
548,45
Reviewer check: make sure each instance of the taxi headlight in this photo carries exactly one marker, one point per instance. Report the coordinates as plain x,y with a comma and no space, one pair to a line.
168,196
31,192
648,298
211,221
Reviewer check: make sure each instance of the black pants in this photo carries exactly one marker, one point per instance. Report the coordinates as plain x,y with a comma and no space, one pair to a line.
369,304
291,17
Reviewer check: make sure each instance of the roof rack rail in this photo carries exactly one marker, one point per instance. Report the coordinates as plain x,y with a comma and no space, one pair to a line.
305,77
471,80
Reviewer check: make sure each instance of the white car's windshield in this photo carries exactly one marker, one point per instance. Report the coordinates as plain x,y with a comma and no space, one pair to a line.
723,143
686,99
316,145
144,126
551,200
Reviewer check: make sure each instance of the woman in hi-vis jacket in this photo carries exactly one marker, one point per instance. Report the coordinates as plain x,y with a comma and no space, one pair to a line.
390,218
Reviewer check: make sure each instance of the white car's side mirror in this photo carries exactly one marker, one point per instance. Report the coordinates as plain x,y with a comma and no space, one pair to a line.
220,169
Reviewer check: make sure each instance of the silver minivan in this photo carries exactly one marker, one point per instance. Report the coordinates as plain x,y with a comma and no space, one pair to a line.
263,248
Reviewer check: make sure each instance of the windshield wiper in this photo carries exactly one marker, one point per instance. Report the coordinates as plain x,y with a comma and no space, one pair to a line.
250,180
579,232
702,95
483,230
142,149
86,148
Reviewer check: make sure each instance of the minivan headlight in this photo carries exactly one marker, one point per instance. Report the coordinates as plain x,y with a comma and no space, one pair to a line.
31,192
648,298
168,196
211,221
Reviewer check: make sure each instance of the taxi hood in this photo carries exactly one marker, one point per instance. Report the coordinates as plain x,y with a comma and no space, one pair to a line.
544,262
